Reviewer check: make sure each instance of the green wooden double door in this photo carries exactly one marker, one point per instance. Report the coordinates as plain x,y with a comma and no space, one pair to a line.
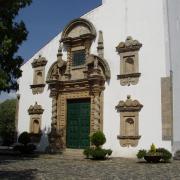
78,123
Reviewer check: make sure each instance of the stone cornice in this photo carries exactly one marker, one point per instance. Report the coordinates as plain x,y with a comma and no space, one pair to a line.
129,105
128,137
37,85
41,61
36,109
134,75
128,45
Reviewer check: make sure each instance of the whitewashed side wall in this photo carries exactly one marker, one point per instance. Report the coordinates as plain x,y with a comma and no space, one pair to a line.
174,36
26,96
144,21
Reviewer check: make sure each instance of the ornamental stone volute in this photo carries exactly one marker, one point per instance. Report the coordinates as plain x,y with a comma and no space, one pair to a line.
36,109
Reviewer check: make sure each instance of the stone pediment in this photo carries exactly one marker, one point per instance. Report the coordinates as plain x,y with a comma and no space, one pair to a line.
41,61
78,28
100,62
78,31
54,71
36,109
128,45
129,105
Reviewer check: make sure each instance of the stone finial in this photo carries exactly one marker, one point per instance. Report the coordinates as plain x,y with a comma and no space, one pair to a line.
59,54
128,45
129,105
40,61
36,109
100,48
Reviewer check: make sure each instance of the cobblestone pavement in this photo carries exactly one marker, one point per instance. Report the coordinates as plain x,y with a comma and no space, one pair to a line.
50,167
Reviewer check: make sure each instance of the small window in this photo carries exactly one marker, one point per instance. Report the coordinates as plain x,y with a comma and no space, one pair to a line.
78,58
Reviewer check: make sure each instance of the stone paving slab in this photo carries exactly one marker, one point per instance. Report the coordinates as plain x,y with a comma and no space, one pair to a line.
58,167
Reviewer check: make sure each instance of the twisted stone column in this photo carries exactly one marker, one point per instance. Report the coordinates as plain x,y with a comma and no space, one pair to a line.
55,137
96,112
69,63
54,111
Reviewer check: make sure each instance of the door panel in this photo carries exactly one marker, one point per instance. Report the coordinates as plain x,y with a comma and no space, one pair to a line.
78,123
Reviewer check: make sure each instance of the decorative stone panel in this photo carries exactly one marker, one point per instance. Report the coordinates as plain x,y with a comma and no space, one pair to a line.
129,122
35,113
39,75
129,61
166,104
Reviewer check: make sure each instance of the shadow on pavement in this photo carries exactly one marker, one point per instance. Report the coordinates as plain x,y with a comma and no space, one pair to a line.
19,174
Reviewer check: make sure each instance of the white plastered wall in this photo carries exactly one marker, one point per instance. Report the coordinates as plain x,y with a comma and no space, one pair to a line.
144,21
174,38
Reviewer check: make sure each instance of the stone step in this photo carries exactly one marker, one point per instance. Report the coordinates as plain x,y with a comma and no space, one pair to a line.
177,155
73,153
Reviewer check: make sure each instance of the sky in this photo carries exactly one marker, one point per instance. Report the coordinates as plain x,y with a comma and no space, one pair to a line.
44,19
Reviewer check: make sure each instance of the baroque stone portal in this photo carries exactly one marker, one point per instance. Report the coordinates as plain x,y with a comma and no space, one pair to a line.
81,76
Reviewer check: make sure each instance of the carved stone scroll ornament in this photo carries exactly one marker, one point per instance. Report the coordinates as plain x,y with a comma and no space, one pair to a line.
129,122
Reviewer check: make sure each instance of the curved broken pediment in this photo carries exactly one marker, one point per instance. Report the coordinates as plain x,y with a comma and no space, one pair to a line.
101,62
54,72
78,28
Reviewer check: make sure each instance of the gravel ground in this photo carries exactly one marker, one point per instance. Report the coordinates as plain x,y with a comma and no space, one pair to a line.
59,167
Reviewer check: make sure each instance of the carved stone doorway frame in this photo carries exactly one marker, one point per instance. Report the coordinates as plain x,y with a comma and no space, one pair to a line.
96,108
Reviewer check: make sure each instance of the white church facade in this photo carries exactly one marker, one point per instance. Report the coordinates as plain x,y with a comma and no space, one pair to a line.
115,69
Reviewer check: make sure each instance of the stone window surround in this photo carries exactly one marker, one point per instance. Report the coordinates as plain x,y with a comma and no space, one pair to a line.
129,49
38,66
35,113
129,109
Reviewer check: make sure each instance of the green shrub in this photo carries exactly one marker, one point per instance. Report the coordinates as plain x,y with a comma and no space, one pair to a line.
141,154
98,139
109,152
99,153
25,149
88,152
24,138
165,154
24,144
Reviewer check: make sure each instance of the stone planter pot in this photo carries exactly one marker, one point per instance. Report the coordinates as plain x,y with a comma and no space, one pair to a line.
152,158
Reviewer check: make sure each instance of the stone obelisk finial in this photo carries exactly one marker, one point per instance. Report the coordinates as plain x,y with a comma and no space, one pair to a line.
100,48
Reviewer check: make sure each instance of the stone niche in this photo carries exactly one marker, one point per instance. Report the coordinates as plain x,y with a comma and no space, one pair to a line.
35,113
129,61
129,122
39,75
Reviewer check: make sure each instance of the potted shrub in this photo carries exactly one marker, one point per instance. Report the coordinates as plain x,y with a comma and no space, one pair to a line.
97,152
165,154
154,155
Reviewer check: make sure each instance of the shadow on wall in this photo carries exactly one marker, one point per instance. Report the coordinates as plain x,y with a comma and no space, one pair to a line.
43,144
